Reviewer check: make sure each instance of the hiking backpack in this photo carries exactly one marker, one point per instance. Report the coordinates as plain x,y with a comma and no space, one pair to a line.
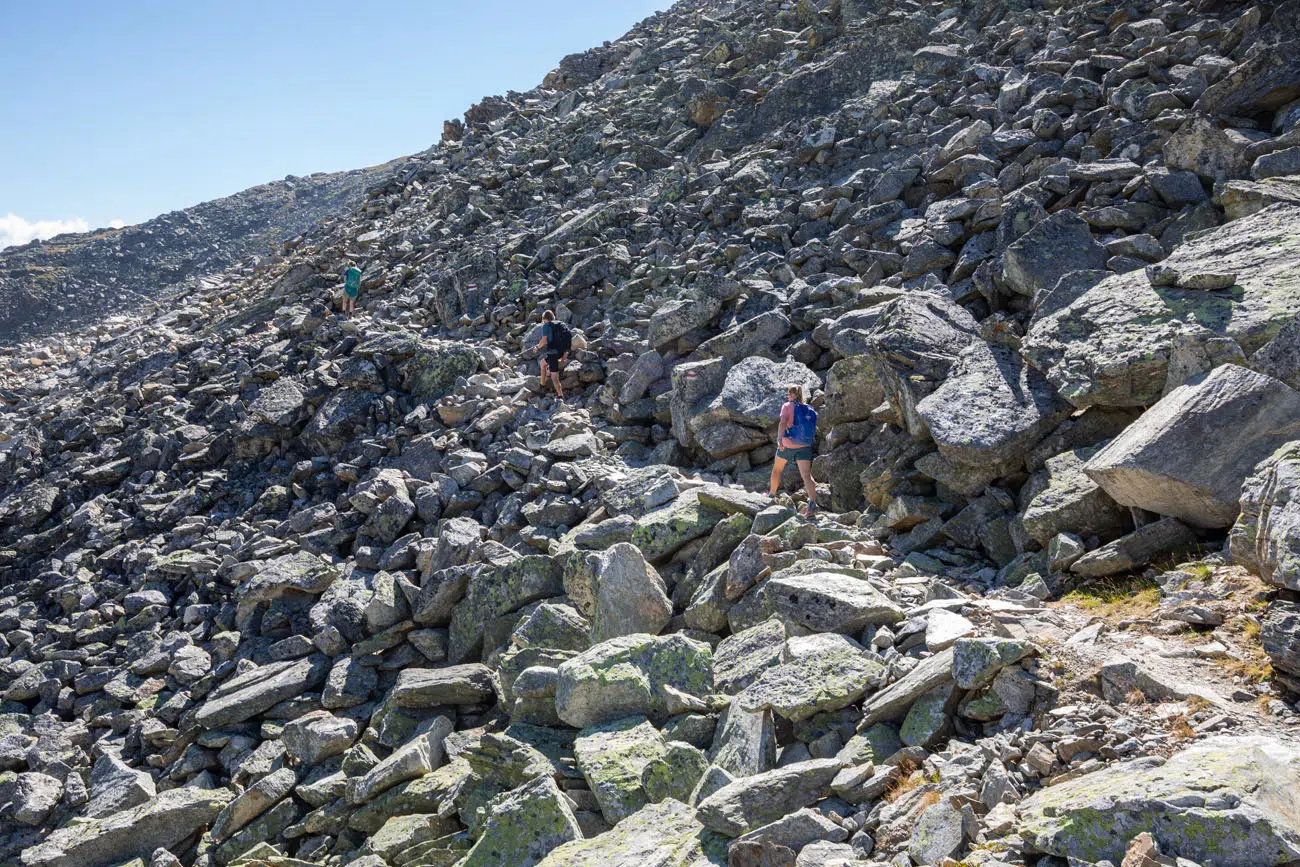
803,428
561,339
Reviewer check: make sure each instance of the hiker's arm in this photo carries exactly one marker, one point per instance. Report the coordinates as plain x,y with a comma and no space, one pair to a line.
542,344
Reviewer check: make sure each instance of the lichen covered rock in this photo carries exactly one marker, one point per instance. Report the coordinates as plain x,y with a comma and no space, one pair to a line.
1229,801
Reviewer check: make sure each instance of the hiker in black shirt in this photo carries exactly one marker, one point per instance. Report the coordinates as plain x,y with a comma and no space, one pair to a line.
556,338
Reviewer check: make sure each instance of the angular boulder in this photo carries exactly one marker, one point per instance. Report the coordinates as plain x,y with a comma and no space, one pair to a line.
434,687
661,533
992,409
1266,537
823,601
1113,345
892,703
630,596
913,344
833,674
739,659
496,592
523,826
666,834
627,676
1059,245
613,758
852,390
244,697
753,392
165,822
674,318
1064,499
1229,801
752,801
1189,454
1134,550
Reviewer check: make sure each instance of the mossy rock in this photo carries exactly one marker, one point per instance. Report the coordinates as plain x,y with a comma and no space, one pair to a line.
1228,801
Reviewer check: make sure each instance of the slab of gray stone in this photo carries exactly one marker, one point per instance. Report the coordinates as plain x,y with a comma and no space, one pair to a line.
1113,345
826,601
740,659
627,676
750,802
833,675
892,703
992,409
1229,801
434,687
1144,545
1188,455
1266,537
163,822
1056,246
244,697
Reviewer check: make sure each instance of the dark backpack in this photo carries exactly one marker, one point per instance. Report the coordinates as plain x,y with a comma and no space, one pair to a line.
803,429
561,339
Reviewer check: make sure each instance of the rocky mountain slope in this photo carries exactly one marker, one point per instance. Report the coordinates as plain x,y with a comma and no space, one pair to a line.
282,587
72,279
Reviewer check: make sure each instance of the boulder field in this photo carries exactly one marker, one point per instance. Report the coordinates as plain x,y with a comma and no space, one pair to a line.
284,587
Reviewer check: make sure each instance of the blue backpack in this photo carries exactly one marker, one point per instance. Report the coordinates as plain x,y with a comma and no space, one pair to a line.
804,428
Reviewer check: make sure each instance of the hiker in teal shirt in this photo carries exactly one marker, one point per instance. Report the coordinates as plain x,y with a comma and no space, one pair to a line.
351,289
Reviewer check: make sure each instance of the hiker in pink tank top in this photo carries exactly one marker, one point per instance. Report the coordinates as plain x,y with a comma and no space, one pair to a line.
796,431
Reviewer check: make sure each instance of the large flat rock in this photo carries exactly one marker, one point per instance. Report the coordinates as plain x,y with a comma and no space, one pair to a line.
165,821
666,834
1227,801
1188,455
1113,345
831,677
823,601
248,695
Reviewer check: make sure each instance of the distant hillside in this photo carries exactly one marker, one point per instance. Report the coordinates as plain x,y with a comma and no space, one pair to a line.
50,285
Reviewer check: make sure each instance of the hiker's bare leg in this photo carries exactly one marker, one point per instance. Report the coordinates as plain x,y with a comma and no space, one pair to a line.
545,375
805,470
777,467
559,390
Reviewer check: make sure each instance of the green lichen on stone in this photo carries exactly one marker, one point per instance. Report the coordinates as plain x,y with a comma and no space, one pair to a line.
666,834
626,676
432,371
498,592
613,758
661,533
927,719
1227,801
876,744
523,826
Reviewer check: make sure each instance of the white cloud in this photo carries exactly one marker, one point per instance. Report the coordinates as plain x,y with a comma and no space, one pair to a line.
16,230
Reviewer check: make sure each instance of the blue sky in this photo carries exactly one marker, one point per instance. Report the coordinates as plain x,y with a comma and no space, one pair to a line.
119,111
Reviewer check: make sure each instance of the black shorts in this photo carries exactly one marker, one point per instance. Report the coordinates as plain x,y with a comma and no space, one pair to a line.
553,361
802,453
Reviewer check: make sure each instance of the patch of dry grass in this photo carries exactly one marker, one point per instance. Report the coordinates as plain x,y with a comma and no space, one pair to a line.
909,778
1180,728
1114,599
1254,668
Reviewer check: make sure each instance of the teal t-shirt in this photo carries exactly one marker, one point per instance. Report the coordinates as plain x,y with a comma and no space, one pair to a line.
352,284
